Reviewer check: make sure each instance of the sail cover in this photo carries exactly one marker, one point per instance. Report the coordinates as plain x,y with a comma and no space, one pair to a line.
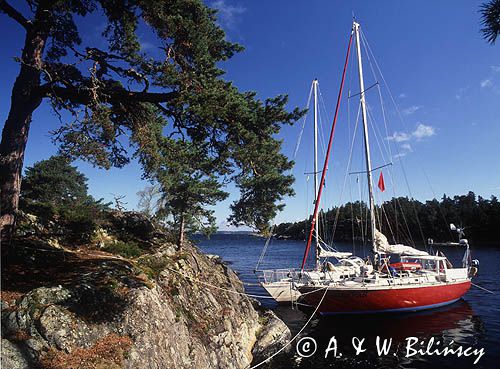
382,246
333,254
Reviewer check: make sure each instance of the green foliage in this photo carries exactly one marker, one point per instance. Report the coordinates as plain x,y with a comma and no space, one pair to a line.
405,220
129,249
53,183
121,94
152,266
490,19
56,193
188,184
262,183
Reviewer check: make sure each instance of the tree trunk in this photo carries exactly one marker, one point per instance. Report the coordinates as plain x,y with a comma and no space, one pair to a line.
25,99
180,240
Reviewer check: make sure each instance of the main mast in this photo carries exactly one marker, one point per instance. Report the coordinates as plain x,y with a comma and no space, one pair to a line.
367,143
316,223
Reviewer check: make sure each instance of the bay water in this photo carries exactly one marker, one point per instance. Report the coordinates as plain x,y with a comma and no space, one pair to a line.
473,322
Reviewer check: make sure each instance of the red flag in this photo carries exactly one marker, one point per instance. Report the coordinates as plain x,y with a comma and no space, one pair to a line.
381,183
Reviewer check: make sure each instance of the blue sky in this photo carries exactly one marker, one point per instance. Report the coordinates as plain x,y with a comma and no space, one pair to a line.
444,78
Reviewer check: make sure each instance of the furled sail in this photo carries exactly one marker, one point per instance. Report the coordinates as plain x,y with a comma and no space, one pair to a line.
333,254
382,246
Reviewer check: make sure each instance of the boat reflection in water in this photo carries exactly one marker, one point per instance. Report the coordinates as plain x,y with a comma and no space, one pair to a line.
456,322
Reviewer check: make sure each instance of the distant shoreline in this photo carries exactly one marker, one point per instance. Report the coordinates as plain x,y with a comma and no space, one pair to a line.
485,244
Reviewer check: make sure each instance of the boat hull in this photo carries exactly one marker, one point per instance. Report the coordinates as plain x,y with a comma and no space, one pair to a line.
391,299
281,292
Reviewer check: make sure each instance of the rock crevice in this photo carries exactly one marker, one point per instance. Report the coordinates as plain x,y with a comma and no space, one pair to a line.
150,313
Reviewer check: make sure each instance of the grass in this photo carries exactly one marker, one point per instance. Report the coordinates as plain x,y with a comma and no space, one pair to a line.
129,249
263,320
152,266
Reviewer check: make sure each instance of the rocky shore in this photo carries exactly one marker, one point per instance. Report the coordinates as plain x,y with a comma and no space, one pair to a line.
95,310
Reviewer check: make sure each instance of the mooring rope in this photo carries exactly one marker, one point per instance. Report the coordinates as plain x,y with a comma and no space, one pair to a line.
233,291
258,296
482,288
298,333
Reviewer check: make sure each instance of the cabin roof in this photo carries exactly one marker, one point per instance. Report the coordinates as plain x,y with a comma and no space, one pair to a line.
424,257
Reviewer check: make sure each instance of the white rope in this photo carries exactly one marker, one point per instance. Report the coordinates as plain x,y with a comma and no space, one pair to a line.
297,335
482,288
228,290
258,296
217,287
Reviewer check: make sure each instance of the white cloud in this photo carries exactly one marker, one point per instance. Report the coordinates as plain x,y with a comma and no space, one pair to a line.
407,147
461,92
486,83
423,131
403,150
402,95
227,14
495,68
399,137
410,110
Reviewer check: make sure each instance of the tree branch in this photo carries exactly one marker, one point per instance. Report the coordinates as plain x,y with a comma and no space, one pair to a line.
14,14
84,96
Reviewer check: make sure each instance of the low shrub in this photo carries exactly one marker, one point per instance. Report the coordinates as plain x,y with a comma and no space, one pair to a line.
129,249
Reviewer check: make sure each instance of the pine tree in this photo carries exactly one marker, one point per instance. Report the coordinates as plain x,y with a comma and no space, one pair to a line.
123,99
188,184
57,193
490,19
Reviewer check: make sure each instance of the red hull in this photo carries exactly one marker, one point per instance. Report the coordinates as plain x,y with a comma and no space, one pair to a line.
343,301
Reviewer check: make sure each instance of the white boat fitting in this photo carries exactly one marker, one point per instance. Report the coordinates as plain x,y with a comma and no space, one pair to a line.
283,284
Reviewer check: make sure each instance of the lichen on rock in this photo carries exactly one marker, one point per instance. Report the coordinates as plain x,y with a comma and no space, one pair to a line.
167,309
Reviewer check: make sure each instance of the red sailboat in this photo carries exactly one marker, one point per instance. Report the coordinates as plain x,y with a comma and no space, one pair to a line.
418,281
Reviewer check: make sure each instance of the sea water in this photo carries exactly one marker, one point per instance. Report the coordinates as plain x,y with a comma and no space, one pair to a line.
465,334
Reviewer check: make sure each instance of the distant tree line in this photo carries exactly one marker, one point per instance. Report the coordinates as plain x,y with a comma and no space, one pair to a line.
405,220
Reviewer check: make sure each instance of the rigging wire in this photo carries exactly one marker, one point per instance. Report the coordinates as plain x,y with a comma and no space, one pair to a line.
391,174
295,151
346,175
299,139
350,187
441,212
322,226
408,236
322,110
266,245
402,120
